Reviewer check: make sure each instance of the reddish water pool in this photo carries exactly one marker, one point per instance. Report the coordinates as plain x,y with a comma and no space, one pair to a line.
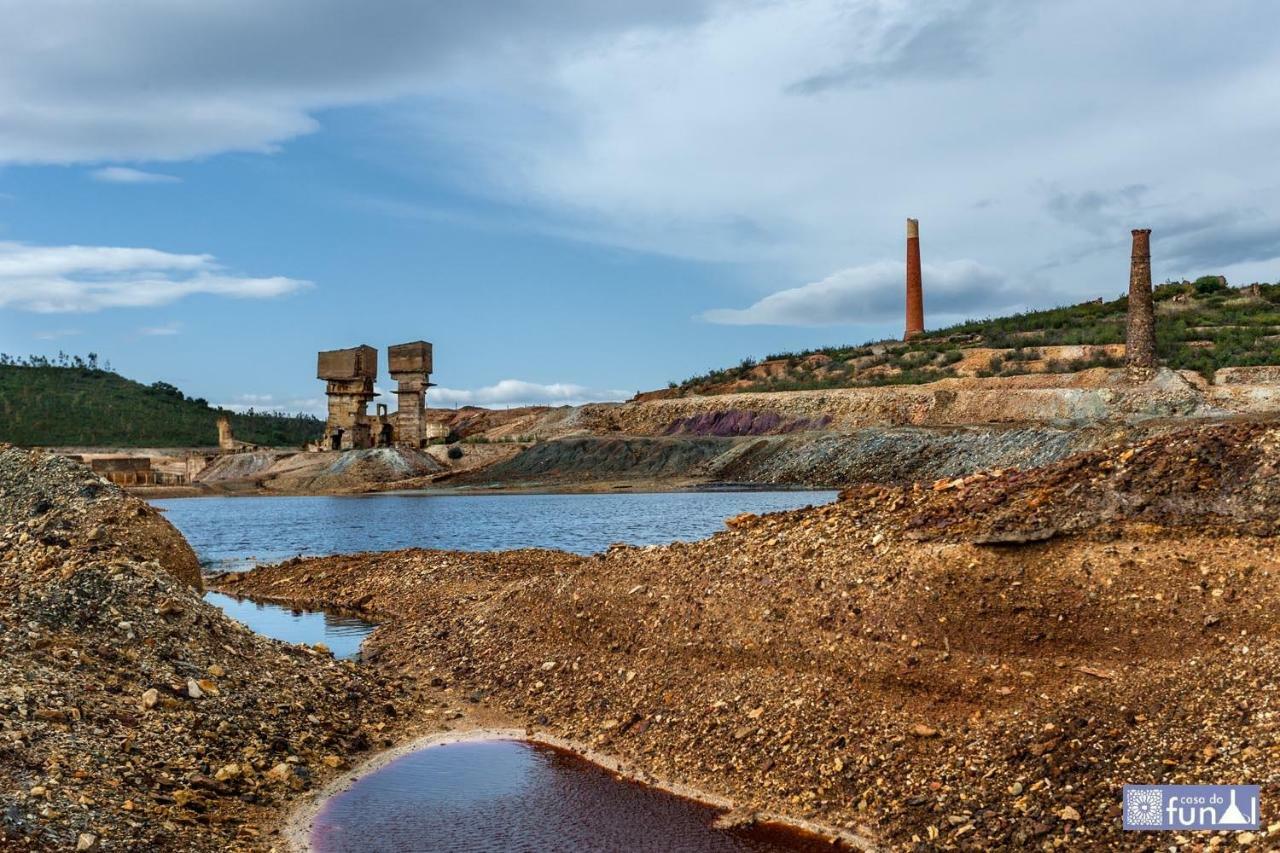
518,796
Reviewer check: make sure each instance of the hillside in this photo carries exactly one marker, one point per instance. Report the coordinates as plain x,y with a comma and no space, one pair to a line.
1202,325
82,406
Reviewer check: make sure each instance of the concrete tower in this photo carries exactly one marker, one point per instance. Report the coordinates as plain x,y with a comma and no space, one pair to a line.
410,366
1140,335
349,376
915,289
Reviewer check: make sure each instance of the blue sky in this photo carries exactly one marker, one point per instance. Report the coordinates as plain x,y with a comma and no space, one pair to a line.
578,200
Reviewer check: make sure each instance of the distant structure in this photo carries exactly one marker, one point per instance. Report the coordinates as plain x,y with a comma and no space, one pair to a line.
226,441
915,288
1140,334
349,375
410,366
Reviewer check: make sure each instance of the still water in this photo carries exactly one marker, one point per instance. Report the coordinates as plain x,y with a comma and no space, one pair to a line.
236,533
513,795
342,634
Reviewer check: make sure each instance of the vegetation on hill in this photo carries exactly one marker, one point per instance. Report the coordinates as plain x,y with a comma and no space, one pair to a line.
1202,325
43,403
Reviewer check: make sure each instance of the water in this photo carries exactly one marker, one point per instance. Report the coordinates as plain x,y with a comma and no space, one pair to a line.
236,533
512,795
342,634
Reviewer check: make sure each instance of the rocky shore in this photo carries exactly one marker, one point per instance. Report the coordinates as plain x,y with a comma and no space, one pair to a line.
133,716
977,663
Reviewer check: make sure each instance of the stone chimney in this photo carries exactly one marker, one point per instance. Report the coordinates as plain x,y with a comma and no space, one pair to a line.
915,290
1140,335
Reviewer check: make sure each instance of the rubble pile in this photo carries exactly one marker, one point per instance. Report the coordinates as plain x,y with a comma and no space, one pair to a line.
134,716
961,665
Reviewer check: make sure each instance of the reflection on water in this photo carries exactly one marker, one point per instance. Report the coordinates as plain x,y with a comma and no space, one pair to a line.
342,634
235,533
512,795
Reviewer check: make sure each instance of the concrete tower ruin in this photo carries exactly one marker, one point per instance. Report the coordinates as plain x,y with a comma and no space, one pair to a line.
915,288
410,365
1140,334
349,376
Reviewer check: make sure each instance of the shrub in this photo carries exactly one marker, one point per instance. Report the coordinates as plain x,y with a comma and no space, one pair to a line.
455,452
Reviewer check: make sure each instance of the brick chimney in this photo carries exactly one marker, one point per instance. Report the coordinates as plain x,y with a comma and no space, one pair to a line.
1140,335
915,291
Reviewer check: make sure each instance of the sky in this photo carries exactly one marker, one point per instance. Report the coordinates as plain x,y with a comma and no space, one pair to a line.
580,199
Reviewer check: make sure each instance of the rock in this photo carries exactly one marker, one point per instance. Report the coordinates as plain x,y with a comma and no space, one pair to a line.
1015,788
921,730
86,841
1068,813
150,697
281,774
193,689
227,772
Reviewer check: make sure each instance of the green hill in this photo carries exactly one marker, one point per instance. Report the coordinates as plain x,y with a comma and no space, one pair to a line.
46,405
1202,325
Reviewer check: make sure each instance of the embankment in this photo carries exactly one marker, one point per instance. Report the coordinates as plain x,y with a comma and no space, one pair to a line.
983,663
136,716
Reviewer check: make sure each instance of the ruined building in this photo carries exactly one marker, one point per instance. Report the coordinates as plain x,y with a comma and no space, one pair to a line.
226,441
915,288
350,374
1140,334
410,366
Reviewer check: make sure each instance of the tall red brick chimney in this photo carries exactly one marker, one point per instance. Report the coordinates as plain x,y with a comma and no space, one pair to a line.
915,291
1140,333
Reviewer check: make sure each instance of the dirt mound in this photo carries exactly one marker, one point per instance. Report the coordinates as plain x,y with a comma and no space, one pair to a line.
591,458
136,716
1226,474
59,504
866,665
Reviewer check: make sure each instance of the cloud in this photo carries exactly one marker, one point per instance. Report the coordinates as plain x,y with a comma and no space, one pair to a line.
55,334
946,41
162,80
874,293
161,331
64,279
516,392
317,406
125,175
786,139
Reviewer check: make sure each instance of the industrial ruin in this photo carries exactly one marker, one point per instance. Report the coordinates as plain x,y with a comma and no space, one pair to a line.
1140,330
915,286
350,374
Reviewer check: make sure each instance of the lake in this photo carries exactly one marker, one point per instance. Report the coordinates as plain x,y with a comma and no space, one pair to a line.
237,532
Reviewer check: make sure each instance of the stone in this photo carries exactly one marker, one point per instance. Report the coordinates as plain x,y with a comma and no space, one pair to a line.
1068,813
921,730
86,841
193,689
150,697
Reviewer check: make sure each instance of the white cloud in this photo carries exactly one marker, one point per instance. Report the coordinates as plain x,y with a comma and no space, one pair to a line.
125,175
54,334
161,331
517,392
875,294
272,403
62,279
